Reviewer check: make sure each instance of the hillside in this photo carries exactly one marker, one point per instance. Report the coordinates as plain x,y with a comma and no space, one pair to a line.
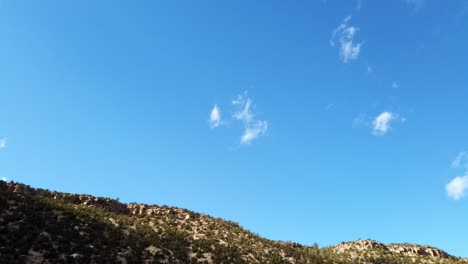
41,226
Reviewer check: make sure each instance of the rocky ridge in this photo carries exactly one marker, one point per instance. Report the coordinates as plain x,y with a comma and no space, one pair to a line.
42,226
426,254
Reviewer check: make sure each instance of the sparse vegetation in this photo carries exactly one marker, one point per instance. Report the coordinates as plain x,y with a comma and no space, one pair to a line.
40,226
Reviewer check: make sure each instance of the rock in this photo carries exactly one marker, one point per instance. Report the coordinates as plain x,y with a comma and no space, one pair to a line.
152,250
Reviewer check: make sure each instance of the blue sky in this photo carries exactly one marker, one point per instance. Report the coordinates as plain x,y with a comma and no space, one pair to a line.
309,121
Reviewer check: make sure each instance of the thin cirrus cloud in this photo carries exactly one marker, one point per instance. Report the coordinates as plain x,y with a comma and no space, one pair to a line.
359,4
460,161
359,120
253,128
215,117
344,34
3,143
416,4
457,187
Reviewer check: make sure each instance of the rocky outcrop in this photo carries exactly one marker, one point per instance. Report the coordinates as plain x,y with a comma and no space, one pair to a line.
373,248
416,250
108,204
144,209
359,245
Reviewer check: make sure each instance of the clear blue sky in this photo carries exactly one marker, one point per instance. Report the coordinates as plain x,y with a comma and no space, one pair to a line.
347,119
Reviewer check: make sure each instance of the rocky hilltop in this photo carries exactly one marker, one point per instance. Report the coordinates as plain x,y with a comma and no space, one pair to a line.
371,249
42,226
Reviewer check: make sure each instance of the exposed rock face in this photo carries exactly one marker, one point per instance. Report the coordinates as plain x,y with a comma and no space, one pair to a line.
370,247
107,203
414,250
360,245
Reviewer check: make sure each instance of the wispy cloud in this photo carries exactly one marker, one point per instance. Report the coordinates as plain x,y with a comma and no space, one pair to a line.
460,161
381,124
252,128
416,5
3,143
345,35
215,117
370,70
243,112
359,4
395,85
456,187
359,120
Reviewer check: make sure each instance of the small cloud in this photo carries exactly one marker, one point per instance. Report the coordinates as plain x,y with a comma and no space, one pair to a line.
359,120
395,85
345,35
215,117
460,161
381,124
369,69
252,128
245,114
359,4
4,179
329,107
3,143
416,4
456,188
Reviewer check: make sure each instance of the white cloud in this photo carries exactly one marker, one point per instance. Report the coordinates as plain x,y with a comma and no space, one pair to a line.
381,124
245,114
215,117
456,187
3,143
4,179
252,128
345,35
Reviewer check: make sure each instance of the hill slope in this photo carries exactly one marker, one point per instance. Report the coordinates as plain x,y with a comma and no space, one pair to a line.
41,226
